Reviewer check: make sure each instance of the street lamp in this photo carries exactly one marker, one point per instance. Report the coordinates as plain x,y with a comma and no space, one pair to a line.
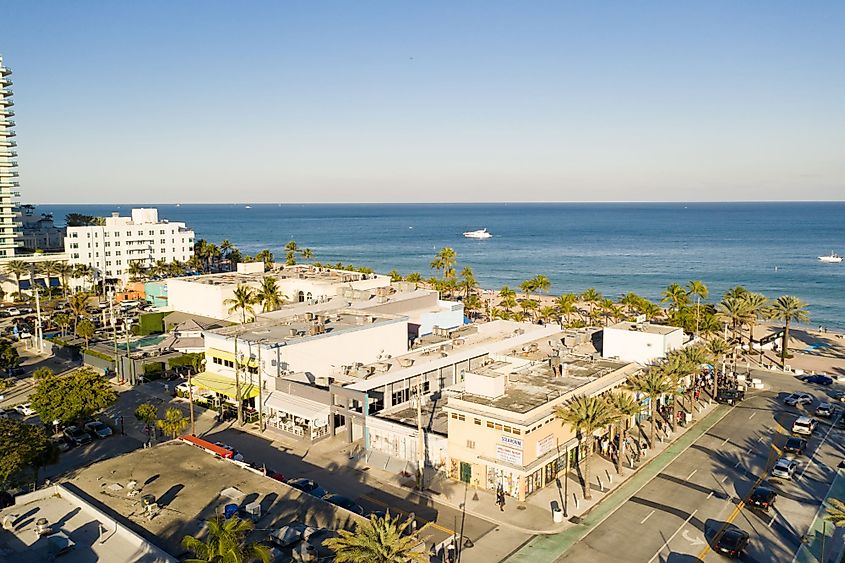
39,340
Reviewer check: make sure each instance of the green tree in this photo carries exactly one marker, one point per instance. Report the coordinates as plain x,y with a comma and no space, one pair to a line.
652,383
65,272
291,248
735,312
78,303
395,276
625,407
86,330
468,282
719,349
23,445
585,415
836,513
269,295
9,357
265,256
42,372
788,308
62,321
148,414
173,423
226,543
72,397
243,298
80,220
700,291
17,268
444,262
541,283
379,540
566,305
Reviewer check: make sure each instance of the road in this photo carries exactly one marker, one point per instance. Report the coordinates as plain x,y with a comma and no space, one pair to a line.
675,517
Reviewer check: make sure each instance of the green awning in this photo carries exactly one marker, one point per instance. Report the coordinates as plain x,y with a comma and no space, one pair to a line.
223,385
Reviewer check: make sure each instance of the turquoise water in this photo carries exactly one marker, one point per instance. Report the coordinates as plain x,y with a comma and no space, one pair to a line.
642,247
145,341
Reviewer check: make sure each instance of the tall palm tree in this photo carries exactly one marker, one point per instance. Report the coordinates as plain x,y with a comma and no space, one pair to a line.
243,298
548,313
176,268
84,272
77,303
265,256
652,383
307,254
585,415
757,305
631,301
444,262
194,263
65,272
788,308
472,304
173,423
625,407
566,305
527,288
291,248
17,268
49,269
677,368
836,513
697,288
734,311
649,309
719,349
212,254
414,277
591,297
379,540
735,292
225,543
269,295
542,283
468,282
676,296
394,275
508,298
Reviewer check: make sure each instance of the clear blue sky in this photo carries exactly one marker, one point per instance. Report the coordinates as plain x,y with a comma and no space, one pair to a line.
189,101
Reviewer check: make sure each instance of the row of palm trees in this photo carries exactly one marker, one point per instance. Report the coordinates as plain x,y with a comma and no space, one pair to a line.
47,270
209,256
244,297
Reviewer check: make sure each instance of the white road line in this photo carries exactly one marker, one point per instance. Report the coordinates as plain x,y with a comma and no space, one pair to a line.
752,415
666,543
810,461
691,474
725,478
772,521
748,451
761,438
737,464
647,517
710,495
725,441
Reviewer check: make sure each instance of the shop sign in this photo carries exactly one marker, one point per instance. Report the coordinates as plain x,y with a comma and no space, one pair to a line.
512,442
509,455
545,444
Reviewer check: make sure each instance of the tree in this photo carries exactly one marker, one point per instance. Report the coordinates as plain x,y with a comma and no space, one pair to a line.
192,361
414,277
697,288
23,445
625,407
225,543
243,298
652,383
265,256
788,308
62,321
85,329
468,282
65,272
379,540
291,248
80,220
49,269
269,295
18,268
444,262
173,423
9,357
42,372
734,311
566,305
307,254
78,303
585,415
719,349
395,276
148,414
72,397
836,513
508,298
757,305
541,283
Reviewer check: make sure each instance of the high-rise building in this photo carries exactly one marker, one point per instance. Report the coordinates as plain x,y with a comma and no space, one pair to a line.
9,225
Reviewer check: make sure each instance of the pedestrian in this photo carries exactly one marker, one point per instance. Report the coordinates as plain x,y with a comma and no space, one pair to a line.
500,498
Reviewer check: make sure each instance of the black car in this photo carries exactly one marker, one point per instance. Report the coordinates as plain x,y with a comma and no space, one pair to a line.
343,502
308,486
731,542
818,379
763,497
795,446
730,396
77,435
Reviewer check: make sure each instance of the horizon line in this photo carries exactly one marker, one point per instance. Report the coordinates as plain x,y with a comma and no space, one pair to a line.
494,202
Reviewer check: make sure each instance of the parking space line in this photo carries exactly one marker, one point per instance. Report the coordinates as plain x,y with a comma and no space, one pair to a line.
810,461
752,415
666,543
423,520
647,517
725,441
691,474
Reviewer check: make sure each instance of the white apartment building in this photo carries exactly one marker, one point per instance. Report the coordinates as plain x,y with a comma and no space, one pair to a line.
9,224
111,248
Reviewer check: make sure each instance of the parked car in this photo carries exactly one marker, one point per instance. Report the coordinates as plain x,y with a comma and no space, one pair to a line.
314,548
817,379
825,410
17,370
838,396
795,446
287,536
796,399
77,435
343,502
62,443
784,468
732,542
13,312
763,497
25,409
308,486
4,414
804,425
730,396
98,429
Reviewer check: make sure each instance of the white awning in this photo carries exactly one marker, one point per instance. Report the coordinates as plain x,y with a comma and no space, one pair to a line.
317,413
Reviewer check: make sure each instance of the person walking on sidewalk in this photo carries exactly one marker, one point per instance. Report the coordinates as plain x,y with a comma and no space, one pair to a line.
500,498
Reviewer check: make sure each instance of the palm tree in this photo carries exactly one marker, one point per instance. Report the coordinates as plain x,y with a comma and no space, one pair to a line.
84,271
468,282
269,295
307,254
542,283
697,288
652,383
836,513
379,540
472,304
265,256
631,301
734,311
49,269
508,298
173,423
65,272
18,268
212,254
650,310
176,269
548,313
735,292
194,263
677,368
444,262
414,277
243,298
625,406
226,247
719,349
528,307
225,543
62,321
676,296
291,248
788,308
86,330
161,268
757,305
566,305
585,415
78,303
395,276
527,287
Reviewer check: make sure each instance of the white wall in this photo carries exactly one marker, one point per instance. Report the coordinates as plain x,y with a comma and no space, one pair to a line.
199,298
638,346
450,315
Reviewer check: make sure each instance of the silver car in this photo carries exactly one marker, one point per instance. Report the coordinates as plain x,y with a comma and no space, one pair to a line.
784,468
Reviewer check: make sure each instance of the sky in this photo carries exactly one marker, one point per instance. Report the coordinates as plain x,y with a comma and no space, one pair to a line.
207,101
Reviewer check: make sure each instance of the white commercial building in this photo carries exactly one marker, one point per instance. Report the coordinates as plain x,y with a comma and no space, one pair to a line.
640,342
111,248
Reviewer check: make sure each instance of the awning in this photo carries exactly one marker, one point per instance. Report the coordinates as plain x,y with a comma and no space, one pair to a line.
312,411
223,385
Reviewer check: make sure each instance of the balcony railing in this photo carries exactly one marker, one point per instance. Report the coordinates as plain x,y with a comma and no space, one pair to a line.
7,133
5,173
6,113
5,81
7,122
8,163
4,92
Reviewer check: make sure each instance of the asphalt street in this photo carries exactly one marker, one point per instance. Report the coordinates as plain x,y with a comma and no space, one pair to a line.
675,517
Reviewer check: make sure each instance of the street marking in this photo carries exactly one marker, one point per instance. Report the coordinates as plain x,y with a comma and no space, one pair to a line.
737,464
752,415
394,509
691,474
710,495
666,544
647,517
772,521
725,478
748,451
810,461
725,441
761,438
693,541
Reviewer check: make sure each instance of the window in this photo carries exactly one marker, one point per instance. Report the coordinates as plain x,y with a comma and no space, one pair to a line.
161,232
471,444
461,417
506,428
489,424
517,431
477,421
108,253
498,426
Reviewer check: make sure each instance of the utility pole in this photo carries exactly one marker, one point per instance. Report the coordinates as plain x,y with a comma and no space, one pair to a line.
238,384
260,393
117,369
191,401
39,341
420,438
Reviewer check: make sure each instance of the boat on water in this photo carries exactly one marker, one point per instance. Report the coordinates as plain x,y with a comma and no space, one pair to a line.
479,234
832,258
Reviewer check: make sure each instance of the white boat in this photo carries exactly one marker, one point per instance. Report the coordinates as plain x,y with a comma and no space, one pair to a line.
480,233
833,258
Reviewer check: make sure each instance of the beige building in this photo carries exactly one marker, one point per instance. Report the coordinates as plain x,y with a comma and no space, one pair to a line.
502,428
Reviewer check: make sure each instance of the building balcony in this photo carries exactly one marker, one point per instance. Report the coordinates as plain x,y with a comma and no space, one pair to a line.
9,184
6,173
8,163
5,71
5,93
8,143
7,133
6,102
4,81
6,112
7,123
8,154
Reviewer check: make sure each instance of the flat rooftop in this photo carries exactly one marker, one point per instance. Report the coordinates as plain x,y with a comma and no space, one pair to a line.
434,418
307,325
535,385
192,486
645,327
303,272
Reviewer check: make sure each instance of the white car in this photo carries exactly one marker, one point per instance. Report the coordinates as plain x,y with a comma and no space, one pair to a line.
784,468
796,399
804,425
25,409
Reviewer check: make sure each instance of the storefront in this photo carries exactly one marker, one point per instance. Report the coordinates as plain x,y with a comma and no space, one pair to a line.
297,416
225,392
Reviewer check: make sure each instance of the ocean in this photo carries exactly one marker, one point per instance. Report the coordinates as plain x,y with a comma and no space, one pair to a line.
771,248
